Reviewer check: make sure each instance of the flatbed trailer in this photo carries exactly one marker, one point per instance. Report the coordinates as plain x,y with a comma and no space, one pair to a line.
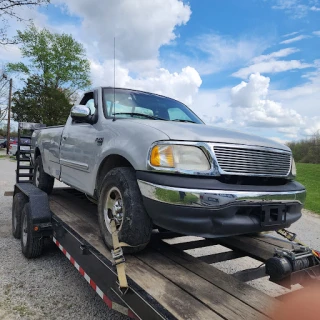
165,282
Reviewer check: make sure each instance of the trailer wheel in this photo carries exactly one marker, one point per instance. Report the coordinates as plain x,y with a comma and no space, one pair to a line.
31,246
19,201
120,199
42,180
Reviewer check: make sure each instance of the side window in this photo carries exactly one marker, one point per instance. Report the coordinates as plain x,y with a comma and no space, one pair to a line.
88,101
90,105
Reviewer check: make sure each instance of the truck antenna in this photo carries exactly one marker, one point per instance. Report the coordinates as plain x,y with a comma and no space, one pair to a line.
114,79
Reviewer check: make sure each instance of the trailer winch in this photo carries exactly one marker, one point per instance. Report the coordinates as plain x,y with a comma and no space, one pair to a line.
285,261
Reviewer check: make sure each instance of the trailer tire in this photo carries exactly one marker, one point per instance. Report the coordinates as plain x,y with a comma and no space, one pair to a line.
31,246
136,225
19,201
42,180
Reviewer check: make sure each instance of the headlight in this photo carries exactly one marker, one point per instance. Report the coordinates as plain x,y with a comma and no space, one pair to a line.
293,168
179,157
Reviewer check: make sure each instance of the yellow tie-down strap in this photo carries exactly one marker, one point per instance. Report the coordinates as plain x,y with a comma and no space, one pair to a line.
291,236
118,257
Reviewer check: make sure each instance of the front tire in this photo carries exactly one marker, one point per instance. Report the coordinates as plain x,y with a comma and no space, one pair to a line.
120,198
42,180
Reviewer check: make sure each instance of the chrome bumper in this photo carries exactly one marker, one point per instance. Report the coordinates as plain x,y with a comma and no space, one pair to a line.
216,198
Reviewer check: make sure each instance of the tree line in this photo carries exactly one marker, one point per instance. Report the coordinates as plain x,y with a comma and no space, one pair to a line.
306,150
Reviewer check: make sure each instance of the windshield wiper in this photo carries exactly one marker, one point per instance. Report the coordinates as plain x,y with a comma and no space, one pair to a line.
182,120
140,114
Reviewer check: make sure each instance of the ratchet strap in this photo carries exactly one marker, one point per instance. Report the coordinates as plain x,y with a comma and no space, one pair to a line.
291,236
118,257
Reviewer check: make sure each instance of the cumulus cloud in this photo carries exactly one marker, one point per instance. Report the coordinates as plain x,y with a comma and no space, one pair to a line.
141,27
272,66
295,39
181,85
316,33
252,108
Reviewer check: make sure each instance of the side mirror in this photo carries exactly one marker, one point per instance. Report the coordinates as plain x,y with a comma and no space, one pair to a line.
80,113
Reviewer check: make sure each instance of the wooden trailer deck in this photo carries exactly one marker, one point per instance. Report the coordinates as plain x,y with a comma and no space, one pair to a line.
188,287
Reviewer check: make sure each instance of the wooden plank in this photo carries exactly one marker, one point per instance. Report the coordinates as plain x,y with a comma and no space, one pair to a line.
194,244
280,243
221,256
251,247
245,293
178,302
181,304
218,300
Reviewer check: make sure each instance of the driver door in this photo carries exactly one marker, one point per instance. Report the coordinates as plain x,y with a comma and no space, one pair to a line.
79,149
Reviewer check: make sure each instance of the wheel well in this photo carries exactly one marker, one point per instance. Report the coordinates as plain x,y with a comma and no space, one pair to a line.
36,153
109,163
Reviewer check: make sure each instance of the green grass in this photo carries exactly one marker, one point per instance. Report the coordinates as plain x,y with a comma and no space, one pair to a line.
309,175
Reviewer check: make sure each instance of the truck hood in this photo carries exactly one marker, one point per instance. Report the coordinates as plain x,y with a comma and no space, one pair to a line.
204,133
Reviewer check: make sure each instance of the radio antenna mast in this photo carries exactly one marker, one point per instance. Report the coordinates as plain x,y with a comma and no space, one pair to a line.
114,79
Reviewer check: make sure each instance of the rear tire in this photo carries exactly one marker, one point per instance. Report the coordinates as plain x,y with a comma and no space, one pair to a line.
19,201
42,180
31,246
136,226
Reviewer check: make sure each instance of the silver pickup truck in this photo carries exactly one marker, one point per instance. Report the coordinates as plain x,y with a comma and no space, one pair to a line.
148,160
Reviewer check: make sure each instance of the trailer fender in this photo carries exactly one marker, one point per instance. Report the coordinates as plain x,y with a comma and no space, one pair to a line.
40,213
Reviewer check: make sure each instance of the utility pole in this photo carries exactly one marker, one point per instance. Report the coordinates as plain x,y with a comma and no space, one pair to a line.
9,113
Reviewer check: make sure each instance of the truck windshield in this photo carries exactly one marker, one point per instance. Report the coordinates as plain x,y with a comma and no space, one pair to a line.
124,103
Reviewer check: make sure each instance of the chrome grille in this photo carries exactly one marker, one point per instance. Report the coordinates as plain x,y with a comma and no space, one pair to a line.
246,161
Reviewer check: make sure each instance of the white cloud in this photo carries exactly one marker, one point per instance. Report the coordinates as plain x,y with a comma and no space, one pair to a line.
316,33
314,8
252,108
181,85
305,97
295,39
10,53
272,66
223,52
141,27
277,54
290,34
297,9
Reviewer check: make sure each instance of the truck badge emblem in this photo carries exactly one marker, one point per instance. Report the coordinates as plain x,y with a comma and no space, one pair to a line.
99,141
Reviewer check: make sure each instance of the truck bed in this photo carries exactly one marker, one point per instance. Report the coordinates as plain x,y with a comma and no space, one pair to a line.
178,284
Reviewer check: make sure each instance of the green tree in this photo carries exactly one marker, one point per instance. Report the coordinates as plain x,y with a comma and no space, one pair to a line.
38,102
57,59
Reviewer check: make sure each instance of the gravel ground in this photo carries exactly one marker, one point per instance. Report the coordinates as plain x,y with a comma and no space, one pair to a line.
50,287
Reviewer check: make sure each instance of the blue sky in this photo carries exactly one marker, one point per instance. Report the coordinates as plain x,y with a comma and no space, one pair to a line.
251,65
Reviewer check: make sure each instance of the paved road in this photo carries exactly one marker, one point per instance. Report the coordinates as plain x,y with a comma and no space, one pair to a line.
48,287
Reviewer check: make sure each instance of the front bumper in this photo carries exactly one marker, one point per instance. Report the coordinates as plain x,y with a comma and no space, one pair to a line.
217,212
